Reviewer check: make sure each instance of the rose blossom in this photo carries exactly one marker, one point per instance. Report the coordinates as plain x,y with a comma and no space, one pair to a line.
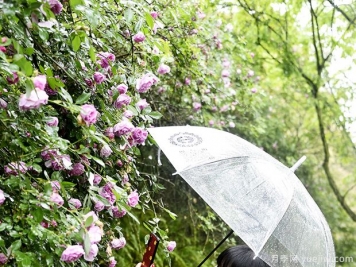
36,98
142,104
128,114
3,103
3,49
40,82
77,170
13,167
3,259
72,253
154,14
250,73
56,6
105,151
97,179
211,122
75,203
187,81
196,106
89,114
109,56
99,206
122,100
112,262
13,79
118,243
52,121
139,37
118,213
123,128
253,90
95,234
132,199
99,77
163,69
231,124
109,132
2,197
57,199
139,135
146,82
171,245
106,192
59,162
92,253
225,73
122,88
56,186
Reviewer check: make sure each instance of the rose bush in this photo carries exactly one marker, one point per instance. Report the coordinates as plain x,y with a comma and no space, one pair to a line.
79,88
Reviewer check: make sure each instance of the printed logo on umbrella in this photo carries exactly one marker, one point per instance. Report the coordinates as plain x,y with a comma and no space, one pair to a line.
185,139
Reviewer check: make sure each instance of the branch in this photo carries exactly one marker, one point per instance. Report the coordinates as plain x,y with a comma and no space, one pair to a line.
352,21
329,176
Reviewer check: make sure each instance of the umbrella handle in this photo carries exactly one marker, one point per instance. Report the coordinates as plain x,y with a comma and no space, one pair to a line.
298,163
218,245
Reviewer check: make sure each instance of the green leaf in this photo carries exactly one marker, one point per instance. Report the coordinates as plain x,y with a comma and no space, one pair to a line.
155,115
87,242
150,21
128,15
16,245
92,54
64,93
133,110
84,97
99,161
89,221
76,43
74,3
38,215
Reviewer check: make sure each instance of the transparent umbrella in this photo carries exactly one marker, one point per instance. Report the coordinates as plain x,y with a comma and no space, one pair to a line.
257,196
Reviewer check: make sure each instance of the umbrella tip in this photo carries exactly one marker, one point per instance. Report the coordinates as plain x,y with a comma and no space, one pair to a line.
298,163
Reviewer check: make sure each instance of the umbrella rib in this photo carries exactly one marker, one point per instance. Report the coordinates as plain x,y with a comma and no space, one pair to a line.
206,163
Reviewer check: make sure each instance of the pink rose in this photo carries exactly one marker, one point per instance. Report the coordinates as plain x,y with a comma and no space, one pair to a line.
105,151
97,179
154,14
132,199
77,169
14,167
40,81
118,213
122,88
231,124
187,81
146,82
52,121
13,79
56,186
139,135
3,49
171,245
36,98
95,234
211,122
225,73
75,203
122,100
106,192
123,127
99,77
139,37
56,6
3,103
250,73
99,206
57,199
92,253
3,259
118,243
89,114
2,197
72,253
107,55
142,104
163,69
196,106
253,90
128,114
112,262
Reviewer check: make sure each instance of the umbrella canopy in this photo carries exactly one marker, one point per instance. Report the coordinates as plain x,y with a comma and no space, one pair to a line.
256,195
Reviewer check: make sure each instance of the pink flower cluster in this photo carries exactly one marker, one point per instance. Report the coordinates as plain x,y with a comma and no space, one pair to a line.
55,160
14,168
36,97
136,136
146,82
89,114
